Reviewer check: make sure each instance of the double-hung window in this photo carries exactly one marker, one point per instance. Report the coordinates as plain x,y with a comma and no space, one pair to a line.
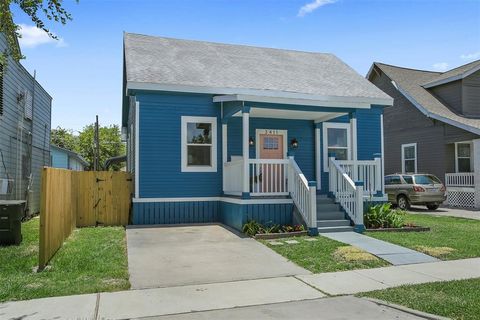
463,157
336,140
409,158
199,144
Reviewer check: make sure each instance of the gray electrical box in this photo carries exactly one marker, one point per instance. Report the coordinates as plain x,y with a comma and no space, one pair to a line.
11,214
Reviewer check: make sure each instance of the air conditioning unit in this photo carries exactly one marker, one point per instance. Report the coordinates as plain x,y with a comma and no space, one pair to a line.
6,186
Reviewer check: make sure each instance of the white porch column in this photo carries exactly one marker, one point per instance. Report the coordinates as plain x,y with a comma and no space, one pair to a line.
317,158
224,153
353,139
245,138
476,170
383,154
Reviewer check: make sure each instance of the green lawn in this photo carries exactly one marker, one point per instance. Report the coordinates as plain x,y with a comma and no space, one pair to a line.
91,260
449,238
454,299
324,255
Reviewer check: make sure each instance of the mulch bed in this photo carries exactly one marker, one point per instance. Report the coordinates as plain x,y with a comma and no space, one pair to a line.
267,236
403,229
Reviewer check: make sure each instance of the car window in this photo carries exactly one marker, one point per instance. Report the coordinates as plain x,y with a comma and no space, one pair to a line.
392,180
408,179
426,179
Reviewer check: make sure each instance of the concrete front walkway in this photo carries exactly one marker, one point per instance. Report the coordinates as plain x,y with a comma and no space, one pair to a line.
186,255
390,252
200,300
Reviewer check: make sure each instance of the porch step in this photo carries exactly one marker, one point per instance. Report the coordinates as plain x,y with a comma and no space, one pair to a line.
327,207
333,223
334,229
324,200
330,215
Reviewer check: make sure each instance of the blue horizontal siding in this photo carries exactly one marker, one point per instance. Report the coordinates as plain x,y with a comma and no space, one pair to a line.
160,146
230,214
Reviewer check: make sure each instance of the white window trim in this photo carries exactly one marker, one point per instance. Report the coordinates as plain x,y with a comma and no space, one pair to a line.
213,122
335,125
403,155
456,155
258,132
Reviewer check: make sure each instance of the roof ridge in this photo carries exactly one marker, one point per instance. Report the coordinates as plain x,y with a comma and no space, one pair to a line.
229,44
405,68
462,66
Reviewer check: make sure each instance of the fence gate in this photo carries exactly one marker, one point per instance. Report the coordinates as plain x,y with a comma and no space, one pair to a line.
103,198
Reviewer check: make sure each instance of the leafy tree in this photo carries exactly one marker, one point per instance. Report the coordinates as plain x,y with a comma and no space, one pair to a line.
110,144
39,11
64,138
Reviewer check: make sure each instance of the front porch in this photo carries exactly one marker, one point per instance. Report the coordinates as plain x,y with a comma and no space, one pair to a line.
297,152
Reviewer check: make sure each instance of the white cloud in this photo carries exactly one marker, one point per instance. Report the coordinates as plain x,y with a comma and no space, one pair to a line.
470,56
312,6
33,37
441,66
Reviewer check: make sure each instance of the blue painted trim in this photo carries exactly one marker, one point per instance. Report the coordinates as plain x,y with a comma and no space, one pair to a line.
230,108
352,115
360,228
331,154
312,232
377,155
379,194
264,105
245,195
246,109
359,183
312,183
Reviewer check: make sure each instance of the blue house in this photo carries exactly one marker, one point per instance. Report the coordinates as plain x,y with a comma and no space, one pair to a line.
230,133
66,159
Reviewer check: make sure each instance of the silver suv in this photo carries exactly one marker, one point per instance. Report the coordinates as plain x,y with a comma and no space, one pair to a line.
422,189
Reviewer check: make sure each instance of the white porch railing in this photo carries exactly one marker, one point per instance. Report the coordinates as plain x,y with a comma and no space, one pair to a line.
268,177
304,196
368,171
466,179
346,193
460,189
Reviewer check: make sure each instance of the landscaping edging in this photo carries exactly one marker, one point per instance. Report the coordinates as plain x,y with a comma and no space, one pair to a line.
404,229
267,236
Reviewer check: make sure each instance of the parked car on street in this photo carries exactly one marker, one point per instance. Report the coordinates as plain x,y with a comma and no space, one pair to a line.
420,189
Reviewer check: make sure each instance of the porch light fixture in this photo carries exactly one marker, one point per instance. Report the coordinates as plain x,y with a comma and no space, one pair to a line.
294,143
251,142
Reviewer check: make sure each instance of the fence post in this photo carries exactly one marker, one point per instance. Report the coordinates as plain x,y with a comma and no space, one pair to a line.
312,224
359,227
332,175
476,170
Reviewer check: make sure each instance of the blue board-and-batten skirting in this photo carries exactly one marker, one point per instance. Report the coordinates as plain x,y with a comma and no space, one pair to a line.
232,214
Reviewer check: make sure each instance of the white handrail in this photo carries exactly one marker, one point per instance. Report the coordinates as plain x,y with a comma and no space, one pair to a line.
346,192
303,194
368,171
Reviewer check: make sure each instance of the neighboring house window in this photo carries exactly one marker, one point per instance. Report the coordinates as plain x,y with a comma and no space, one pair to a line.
409,158
336,139
463,158
199,144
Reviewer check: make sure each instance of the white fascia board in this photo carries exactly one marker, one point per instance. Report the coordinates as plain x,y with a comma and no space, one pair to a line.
245,94
453,78
438,117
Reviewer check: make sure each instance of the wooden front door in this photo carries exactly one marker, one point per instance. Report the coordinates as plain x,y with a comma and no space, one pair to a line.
272,175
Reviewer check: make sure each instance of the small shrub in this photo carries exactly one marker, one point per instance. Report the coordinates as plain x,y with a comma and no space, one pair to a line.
383,216
251,228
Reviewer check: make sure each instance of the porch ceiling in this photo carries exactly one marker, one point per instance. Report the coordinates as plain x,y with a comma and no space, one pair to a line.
291,114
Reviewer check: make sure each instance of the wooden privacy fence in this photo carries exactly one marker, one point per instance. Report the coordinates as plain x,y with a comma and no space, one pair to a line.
72,199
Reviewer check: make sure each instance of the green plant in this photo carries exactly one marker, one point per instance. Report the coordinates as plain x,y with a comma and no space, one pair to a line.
252,227
383,216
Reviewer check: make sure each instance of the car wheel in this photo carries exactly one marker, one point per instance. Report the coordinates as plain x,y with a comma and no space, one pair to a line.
403,203
432,206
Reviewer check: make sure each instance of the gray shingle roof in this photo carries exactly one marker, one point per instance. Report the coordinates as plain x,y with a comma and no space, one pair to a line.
454,73
410,81
166,61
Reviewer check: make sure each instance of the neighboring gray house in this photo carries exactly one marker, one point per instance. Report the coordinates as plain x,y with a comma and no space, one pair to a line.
66,159
25,114
434,126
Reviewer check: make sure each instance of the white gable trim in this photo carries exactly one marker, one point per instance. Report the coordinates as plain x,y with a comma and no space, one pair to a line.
245,94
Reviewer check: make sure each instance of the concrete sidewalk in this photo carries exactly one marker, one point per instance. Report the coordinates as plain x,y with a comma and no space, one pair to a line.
447,212
239,294
396,255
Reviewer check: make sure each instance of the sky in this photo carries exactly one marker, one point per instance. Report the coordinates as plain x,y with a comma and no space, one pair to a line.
83,70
